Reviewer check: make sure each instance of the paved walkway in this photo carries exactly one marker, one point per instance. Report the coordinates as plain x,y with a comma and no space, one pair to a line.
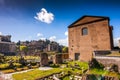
45,68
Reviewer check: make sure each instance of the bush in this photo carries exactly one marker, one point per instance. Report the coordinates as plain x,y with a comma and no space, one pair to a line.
33,63
95,64
17,65
8,71
114,68
4,66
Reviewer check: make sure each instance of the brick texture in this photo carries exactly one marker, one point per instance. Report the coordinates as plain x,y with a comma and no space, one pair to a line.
99,37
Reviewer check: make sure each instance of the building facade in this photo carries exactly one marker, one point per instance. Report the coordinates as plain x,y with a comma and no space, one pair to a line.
6,46
89,34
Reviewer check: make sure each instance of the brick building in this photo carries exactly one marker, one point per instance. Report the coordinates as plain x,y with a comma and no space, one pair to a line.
89,34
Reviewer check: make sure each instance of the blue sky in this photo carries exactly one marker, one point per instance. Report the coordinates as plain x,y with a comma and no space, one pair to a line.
19,18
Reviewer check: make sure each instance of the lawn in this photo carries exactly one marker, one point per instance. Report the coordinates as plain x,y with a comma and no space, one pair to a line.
34,74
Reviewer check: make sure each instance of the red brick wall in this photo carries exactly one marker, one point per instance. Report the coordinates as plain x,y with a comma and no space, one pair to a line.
98,38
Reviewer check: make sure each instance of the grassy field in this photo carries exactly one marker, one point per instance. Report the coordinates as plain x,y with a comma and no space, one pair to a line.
32,75
81,67
5,63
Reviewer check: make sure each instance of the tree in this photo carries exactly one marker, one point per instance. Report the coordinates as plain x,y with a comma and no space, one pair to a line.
24,49
18,43
65,49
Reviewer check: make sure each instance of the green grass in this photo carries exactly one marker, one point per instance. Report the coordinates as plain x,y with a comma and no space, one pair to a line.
4,66
98,71
103,73
34,74
83,65
66,78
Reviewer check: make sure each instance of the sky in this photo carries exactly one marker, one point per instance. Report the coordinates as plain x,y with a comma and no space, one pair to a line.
49,19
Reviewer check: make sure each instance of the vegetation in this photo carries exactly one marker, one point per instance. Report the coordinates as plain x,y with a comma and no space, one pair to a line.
24,49
71,69
95,64
34,74
12,63
66,78
65,49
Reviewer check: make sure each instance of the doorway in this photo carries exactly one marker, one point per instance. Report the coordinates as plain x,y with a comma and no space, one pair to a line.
77,56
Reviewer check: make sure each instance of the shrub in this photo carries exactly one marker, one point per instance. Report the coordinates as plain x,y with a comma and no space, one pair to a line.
95,64
8,71
17,65
4,66
114,68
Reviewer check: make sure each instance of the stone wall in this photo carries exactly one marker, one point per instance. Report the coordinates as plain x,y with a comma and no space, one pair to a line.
97,77
107,61
60,58
57,59
44,59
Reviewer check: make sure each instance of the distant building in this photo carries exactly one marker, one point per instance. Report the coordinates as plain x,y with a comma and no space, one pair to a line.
41,46
6,46
53,46
89,34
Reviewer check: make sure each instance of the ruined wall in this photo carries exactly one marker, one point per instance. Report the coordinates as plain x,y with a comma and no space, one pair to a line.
57,59
44,59
98,38
107,61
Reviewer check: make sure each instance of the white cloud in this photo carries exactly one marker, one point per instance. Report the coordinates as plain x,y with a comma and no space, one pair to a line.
52,38
116,43
39,34
0,33
43,38
63,41
66,33
44,16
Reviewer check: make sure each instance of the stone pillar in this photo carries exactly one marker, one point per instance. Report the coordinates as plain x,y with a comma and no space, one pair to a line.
57,59
44,59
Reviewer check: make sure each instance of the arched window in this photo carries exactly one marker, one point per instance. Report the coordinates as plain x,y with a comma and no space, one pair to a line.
85,31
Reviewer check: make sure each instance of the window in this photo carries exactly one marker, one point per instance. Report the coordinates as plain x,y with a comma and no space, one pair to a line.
84,31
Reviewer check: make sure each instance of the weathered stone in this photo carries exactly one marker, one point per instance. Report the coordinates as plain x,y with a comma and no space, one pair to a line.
6,46
107,61
44,59
57,59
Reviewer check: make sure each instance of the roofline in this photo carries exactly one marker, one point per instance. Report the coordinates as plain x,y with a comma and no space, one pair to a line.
104,18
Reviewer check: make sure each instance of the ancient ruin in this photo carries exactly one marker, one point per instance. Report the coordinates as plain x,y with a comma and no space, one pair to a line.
89,34
6,46
43,59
